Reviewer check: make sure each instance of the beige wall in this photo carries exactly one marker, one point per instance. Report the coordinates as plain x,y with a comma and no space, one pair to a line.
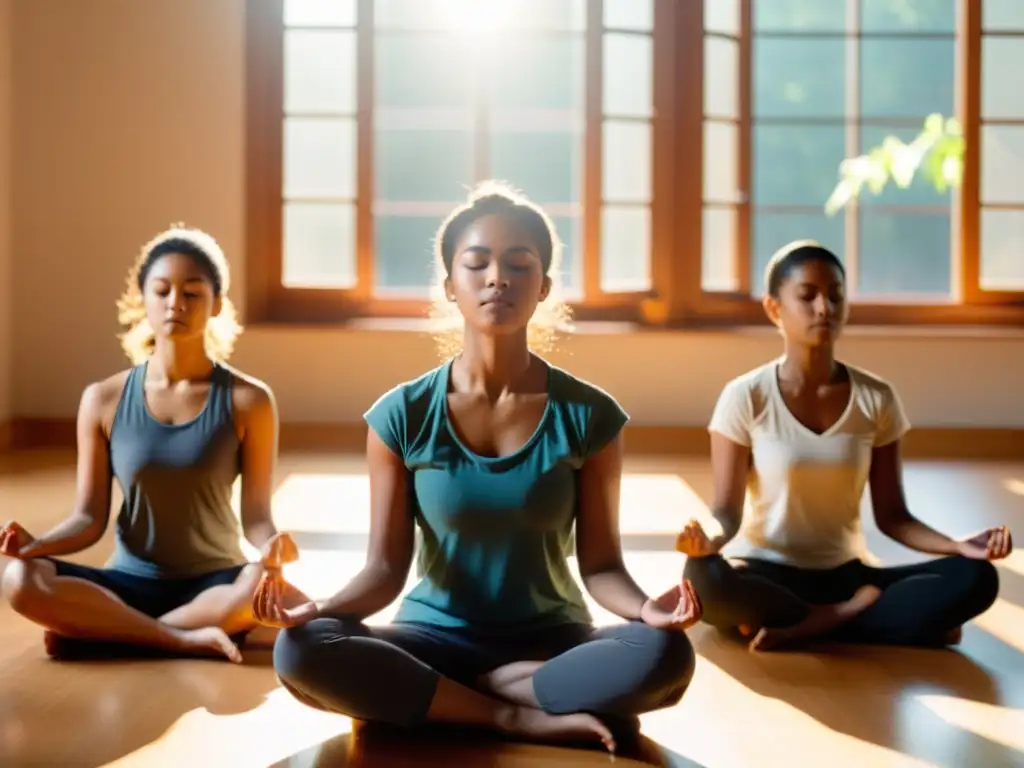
6,293
129,115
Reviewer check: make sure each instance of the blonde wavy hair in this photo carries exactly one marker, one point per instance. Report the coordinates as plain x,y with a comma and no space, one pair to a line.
552,316
223,329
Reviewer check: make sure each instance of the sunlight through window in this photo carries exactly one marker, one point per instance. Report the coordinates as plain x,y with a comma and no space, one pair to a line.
286,728
1014,485
1005,622
1003,725
476,16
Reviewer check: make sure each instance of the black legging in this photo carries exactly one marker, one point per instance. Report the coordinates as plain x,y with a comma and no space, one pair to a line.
388,674
920,604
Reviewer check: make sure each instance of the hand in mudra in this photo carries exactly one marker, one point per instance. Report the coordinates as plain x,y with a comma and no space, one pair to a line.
678,609
279,551
693,541
993,544
14,539
276,603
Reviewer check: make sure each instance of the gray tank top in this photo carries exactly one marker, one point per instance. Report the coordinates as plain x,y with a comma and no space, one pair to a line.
176,520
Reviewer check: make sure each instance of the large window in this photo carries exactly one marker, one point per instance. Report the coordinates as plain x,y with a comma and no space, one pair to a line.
676,146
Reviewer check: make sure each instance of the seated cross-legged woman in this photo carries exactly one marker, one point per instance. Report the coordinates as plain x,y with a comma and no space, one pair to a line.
499,458
801,437
175,430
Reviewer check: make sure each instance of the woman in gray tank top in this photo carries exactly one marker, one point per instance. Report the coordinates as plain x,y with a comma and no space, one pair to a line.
175,430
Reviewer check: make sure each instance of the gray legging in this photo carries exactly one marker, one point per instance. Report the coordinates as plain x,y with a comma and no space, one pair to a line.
388,674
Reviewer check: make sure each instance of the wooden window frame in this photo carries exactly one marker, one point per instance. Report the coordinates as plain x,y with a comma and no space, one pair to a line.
676,298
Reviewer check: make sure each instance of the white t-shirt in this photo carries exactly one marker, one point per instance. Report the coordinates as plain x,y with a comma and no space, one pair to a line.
804,489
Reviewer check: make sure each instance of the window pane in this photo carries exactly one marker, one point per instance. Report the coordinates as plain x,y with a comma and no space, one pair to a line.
1001,94
719,250
421,70
566,15
722,16
319,157
908,15
920,192
1002,266
1002,164
473,15
626,175
628,75
319,246
803,15
320,71
403,258
721,77
570,271
721,174
546,166
799,78
904,253
772,231
413,14
419,166
907,78
629,14
796,165
625,249
546,73
320,13
1002,15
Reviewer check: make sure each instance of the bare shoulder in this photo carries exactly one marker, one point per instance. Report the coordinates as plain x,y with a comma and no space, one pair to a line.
250,396
100,399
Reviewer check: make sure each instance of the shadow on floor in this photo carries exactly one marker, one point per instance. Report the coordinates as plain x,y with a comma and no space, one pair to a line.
377,746
125,706
875,694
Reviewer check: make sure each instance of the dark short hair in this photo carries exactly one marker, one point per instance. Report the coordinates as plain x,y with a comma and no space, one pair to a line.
791,257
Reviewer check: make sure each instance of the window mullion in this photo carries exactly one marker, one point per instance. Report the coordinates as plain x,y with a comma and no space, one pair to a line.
592,165
364,160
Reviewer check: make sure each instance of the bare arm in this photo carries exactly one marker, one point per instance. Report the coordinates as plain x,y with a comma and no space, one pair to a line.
598,544
392,532
259,427
890,506
730,463
87,521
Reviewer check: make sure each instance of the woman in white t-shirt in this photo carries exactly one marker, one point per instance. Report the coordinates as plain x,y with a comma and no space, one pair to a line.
799,438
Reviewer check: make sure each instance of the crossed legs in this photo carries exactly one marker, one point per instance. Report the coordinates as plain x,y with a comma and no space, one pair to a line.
924,604
88,611
569,683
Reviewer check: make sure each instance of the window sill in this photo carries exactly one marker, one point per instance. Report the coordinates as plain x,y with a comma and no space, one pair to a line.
408,325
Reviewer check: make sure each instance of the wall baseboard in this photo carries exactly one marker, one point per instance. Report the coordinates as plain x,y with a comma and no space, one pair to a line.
970,443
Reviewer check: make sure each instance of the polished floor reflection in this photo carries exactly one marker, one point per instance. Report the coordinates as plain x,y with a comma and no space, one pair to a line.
851,707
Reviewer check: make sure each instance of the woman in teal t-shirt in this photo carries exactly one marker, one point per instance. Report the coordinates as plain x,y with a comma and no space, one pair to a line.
505,463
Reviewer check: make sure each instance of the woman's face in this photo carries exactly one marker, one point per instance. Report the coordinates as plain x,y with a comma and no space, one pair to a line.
811,308
497,276
178,296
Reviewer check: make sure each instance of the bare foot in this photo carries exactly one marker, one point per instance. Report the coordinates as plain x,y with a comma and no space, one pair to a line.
210,640
537,724
821,620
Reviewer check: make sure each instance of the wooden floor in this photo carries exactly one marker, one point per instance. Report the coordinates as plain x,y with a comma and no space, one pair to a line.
850,707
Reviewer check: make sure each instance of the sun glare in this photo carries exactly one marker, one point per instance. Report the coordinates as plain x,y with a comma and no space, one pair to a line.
478,16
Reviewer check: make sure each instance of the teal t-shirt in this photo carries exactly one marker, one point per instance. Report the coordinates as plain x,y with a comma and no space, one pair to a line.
495,532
